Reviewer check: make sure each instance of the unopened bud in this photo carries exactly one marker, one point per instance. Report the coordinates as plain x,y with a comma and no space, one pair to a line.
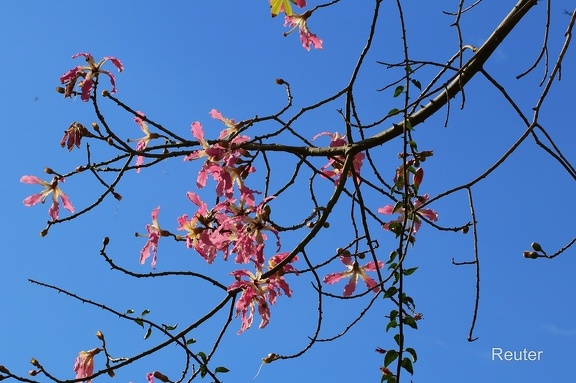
536,246
105,93
465,229
111,373
280,81
48,171
33,372
105,242
310,224
110,141
35,363
116,195
99,334
530,254
95,127
326,225
270,358
44,232
4,370
160,376
60,90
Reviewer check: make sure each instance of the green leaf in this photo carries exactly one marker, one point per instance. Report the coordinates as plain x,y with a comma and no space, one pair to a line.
221,369
393,314
398,91
416,83
409,271
203,370
191,341
139,321
170,328
407,365
391,324
412,352
410,322
148,333
203,356
145,312
393,112
397,338
390,357
129,311
390,292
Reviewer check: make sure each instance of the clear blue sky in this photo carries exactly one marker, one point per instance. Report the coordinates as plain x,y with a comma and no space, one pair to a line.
181,60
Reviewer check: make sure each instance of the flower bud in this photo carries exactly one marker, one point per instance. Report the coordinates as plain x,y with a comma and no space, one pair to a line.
99,334
33,372
110,141
326,225
117,196
536,246
310,224
4,370
465,229
95,127
270,358
48,171
105,242
160,376
35,363
60,90
530,254
44,232
105,93
280,81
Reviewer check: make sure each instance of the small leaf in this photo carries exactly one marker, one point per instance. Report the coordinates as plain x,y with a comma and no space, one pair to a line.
407,365
139,321
397,338
416,83
129,311
390,357
409,271
203,356
398,91
410,322
391,324
390,292
412,352
221,369
148,333
191,341
393,112
170,328
145,312
203,370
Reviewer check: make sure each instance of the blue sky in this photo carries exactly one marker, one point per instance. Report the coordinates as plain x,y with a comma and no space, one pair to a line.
183,59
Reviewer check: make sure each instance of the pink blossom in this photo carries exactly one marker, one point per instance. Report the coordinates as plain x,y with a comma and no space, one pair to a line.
258,293
49,187
84,365
150,377
88,73
154,234
73,135
333,169
142,142
354,271
413,218
277,6
306,37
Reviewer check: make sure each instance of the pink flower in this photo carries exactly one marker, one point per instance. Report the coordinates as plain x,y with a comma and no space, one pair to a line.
277,6
258,293
333,169
354,271
142,142
88,73
413,216
308,38
154,234
49,187
73,135
84,365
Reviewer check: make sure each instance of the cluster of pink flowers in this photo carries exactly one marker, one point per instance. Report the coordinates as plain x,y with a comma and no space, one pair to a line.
88,73
333,169
235,226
